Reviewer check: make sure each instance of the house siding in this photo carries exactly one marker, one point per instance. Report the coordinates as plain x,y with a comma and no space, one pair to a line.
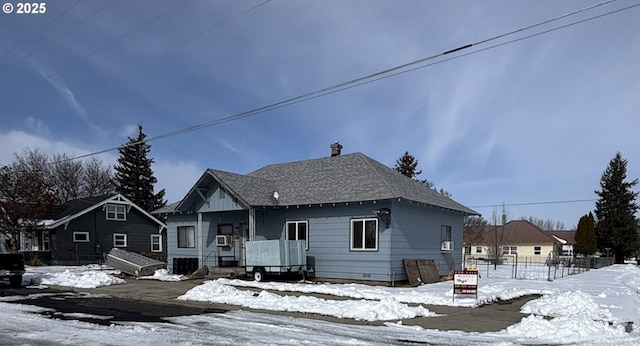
417,235
329,240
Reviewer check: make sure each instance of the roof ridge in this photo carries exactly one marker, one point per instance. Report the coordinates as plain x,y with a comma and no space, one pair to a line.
375,165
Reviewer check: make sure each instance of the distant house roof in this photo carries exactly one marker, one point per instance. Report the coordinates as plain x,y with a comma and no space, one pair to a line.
70,210
513,232
568,237
338,179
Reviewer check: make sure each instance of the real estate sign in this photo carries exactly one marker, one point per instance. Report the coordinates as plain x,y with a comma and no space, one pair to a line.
465,282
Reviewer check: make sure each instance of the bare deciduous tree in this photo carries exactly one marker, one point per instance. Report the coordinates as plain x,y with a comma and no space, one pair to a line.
26,197
545,224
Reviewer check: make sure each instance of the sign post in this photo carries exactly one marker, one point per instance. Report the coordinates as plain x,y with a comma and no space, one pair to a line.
465,282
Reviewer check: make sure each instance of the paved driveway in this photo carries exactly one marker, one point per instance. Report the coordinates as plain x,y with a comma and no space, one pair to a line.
493,317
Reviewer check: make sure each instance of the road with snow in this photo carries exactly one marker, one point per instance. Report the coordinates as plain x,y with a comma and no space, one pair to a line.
597,307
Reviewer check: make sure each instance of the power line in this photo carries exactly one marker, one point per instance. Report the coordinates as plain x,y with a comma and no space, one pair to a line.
103,47
60,35
387,73
534,203
39,31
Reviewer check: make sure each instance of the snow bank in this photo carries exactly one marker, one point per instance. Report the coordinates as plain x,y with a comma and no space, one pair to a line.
387,308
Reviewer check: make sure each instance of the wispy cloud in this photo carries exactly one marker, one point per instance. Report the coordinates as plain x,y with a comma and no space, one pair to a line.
61,87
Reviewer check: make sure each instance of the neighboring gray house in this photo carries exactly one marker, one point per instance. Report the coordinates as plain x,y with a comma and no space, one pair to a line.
82,230
360,218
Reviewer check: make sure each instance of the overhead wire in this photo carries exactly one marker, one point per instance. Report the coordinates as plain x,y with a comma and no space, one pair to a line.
383,74
106,45
534,203
33,34
200,33
84,20
370,77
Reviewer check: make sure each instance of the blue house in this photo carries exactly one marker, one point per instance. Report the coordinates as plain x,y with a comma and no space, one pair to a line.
359,218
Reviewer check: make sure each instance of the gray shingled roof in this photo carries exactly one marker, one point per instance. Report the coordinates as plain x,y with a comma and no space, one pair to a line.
339,179
347,178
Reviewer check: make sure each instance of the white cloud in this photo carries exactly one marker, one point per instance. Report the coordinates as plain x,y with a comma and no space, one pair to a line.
17,141
61,87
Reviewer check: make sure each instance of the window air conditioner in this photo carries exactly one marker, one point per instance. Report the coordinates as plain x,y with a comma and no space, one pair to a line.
446,246
223,240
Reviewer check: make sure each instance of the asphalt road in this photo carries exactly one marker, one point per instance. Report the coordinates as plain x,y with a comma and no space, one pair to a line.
151,300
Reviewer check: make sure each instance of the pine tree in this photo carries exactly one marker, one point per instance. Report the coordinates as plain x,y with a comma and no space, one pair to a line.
408,166
616,228
585,236
134,176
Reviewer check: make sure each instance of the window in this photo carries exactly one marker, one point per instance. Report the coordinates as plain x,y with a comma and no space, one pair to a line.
119,240
223,193
445,233
186,236
226,229
116,212
45,240
81,237
364,234
478,249
156,243
298,230
509,250
537,250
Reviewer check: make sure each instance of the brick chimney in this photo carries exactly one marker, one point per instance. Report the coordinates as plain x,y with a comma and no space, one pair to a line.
335,149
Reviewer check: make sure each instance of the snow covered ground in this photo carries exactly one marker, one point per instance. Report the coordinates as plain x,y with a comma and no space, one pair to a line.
590,308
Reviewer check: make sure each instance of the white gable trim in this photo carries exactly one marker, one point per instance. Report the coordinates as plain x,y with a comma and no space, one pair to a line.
115,199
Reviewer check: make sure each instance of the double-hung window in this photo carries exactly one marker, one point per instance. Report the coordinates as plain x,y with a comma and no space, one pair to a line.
119,240
186,237
156,243
364,234
298,230
509,250
116,212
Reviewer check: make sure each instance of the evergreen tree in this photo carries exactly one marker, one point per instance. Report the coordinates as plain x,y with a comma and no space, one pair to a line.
408,166
585,236
616,228
133,175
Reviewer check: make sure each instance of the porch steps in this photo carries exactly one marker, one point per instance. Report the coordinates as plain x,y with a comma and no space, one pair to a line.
225,272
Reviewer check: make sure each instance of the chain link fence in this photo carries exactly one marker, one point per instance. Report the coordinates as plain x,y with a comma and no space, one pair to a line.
534,267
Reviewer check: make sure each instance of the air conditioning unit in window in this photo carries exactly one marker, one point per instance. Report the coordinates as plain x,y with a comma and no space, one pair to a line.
446,246
223,240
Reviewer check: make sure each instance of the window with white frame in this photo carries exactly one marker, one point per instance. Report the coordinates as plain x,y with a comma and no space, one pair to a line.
156,243
186,237
116,212
80,237
119,240
298,230
364,234
478,249
509,250
537,250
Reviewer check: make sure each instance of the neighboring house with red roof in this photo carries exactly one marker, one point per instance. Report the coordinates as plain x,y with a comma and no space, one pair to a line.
567,239
517,237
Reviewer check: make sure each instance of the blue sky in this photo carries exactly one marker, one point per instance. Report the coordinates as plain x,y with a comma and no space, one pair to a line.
536,120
